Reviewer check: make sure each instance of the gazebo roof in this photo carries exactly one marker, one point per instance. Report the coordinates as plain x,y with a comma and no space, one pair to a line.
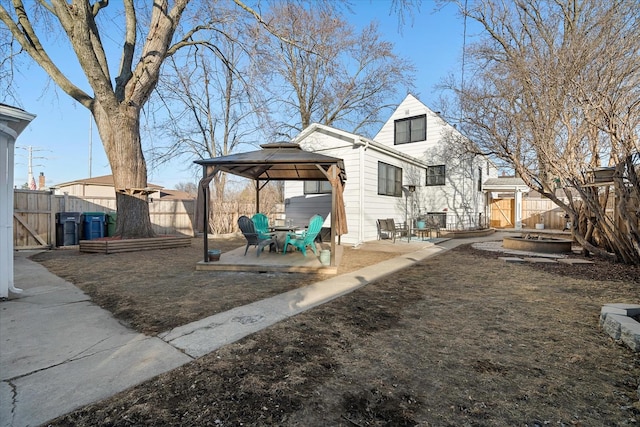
277,161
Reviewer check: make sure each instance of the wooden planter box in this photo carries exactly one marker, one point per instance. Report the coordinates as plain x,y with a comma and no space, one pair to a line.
602,175
132,245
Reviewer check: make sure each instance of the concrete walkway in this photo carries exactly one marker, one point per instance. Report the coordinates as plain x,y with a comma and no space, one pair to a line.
59,351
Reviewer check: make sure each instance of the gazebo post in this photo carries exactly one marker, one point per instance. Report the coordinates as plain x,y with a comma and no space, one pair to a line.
205,225
208,172
257,183
332,261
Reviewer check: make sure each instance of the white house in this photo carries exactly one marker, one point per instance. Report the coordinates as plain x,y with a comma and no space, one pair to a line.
411,168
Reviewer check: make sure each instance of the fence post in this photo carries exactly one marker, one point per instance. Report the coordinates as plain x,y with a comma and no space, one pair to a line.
53,208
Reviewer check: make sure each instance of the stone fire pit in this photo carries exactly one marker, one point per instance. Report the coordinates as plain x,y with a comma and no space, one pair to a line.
546,245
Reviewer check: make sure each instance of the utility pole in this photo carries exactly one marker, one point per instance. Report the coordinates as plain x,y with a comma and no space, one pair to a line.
30,180
90,142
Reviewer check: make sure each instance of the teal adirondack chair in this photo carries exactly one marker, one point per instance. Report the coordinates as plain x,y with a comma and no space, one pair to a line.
306,238
261,223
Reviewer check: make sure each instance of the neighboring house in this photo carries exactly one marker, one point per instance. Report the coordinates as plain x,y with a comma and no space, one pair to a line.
102,186
409,169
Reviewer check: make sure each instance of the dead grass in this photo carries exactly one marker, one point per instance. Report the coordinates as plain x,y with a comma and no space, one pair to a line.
155,291
461,339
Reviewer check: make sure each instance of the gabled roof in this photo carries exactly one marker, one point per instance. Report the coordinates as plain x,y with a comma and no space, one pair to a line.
281,161
16,118
104,181
357,140
175,195
507,183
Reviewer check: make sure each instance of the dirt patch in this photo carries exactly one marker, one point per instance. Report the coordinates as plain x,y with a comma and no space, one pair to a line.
459,339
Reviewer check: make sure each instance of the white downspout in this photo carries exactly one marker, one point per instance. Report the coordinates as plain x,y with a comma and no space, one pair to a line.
361,189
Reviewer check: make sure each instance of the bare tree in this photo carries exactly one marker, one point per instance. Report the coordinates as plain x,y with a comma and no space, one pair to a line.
150,34
328,73
116,102
206,107
188,187
555,94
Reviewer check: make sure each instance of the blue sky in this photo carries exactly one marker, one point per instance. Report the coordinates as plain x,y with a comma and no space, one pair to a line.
62,132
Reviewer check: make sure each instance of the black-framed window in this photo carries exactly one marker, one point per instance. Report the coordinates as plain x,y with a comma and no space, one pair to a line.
480,178
436,175
438,217
317,187
389,180
412,129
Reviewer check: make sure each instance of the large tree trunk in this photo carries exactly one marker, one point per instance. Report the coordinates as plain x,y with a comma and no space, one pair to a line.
121,139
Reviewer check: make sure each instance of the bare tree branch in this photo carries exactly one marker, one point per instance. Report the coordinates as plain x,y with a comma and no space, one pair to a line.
551,96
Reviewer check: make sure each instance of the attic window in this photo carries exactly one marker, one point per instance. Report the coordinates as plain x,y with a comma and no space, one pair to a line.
412,129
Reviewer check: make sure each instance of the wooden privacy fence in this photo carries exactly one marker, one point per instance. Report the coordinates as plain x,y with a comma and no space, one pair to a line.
534,211
545,211
34,215
35,223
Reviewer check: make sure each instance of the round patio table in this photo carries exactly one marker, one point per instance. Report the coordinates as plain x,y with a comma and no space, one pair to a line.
281,233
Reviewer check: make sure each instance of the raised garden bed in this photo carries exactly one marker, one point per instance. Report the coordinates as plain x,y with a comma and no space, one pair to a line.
462,234
111,246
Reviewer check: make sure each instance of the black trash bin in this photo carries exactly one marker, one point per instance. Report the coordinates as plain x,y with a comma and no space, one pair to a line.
111,223
67,228
93,225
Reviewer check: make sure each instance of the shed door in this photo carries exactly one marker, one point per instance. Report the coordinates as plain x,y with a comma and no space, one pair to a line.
502,213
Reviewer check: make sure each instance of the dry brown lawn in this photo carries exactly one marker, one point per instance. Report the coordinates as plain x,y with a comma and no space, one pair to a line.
460,339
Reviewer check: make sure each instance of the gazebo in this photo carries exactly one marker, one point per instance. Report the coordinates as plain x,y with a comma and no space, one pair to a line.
281,161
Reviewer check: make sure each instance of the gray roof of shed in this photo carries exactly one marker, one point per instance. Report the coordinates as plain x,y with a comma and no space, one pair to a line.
505,183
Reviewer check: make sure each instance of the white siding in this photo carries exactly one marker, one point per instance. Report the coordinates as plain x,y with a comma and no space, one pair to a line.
363,205
459,197
379,206
84,190
299,207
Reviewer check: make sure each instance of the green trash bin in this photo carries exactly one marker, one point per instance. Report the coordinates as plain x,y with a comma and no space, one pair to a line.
111,223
